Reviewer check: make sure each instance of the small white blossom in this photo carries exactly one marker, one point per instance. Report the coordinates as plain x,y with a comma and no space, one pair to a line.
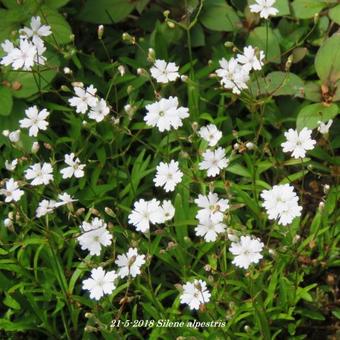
35,120
166,114
210,133
168,175
281,202
164,72
94,236
100,283
195,294
99,111
84,98
265,8
233,75
246,251
36,31
11,191
10,166
144,213
213,161
74,167
39,174
45,207
64,199
323,128
212,207
209,229
298,142
129,264
250,59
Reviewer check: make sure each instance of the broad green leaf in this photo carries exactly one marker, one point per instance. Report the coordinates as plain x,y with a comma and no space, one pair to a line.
311,114
268,43
278,84
327,60
305,9
217,15
6,101
334,14
106,11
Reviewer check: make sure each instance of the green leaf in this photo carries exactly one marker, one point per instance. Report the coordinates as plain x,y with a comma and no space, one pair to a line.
10,302
311,114
258,38
6,101
278,84
327,60
334,14
283,7
217,15
106,11
305,9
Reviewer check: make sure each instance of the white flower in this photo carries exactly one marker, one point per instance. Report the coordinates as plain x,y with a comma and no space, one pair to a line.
168,175
11,191
64,199
209,229
210,133
213,161
264,7
298,142
281,202
164,72
39,174
144,213
233,75
168,210
195,294
94,236
129,263
45,207
35,120
36,31
74,167
21,57
323,128
99,111
247,250
14,136
10,166
166,114
100,283
83,98
211,207
250,59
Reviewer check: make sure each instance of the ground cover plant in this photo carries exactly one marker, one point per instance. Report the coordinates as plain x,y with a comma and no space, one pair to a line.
169,169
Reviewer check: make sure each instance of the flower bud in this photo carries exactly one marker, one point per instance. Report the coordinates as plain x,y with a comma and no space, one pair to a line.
100,31
5,133
250,146
184,78
8,223
236,146
35,147
326,188
121,70
151,55
170,24
67,70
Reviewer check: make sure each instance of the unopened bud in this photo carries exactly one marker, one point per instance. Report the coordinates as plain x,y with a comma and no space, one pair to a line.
67,70
141,72
35,147
100,31
8,223
326,188
109,211
184,78
77,84
316,18
321,205
289,62
5,133
207,268
128,38
228,44
121,70
170,24
194,126
236,146
250,146
151,55
166,13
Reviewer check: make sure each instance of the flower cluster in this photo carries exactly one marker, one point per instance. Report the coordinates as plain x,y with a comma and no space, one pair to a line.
235,73
86,101
30,48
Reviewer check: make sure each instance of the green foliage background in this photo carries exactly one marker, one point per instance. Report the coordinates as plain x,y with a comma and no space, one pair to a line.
293,293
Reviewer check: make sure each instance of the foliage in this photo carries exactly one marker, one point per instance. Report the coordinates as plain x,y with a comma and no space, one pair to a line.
292,292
